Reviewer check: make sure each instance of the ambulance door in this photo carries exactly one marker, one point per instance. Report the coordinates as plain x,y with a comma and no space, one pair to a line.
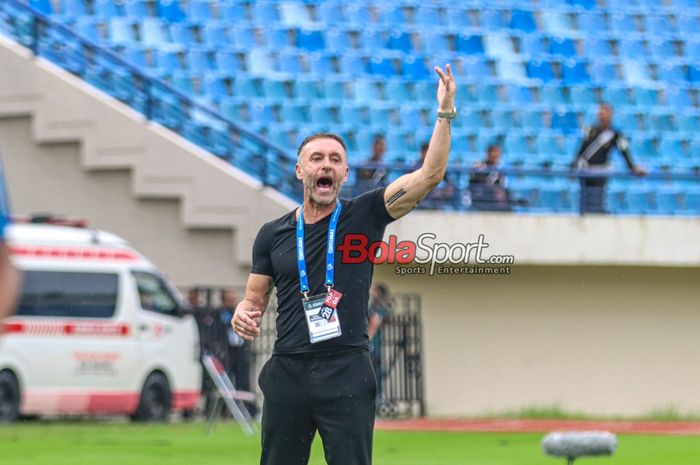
165,338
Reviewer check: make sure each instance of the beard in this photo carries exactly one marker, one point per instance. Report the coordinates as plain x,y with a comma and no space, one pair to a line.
322,200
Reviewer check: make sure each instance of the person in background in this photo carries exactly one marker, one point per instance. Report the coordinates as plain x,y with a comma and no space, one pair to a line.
487,186
372,177
237,360
593,155
380,304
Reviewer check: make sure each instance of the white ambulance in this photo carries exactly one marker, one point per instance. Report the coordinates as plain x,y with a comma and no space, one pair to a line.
97,331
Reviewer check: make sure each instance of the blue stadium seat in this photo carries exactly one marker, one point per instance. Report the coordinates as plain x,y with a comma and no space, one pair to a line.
428,17
592,23
633,49
73,9
522,20
379,116
411,117
414,68
353,115
135,56
658,26
425,91
264,13
603,73
182,34
107,9
320,64
246,87
498,45
153,33
121,32
562,47
289,61
574,72
337,40
353,65
616,96
167,61
517,96
397,90
511,71
542,70
199,61
87,27
692,49
232,11
305,89
372,40
583,96
595,48
215,36
687,124
243,37
434,42
471,119
678,98
688,25
694,74
358,15
627,121
636,73
583,4
458,18
392,16
486,94
199,11
294,113
552,96
382,66
331,13
671,74
491,19
504,120
565,122
274,89
234,110
662,50
532,45
623,25
643,148
294,14
661,122
169,10
227,62
276,38
334,89
215,88
259,62
365,91
531,119
645,98
310,39
556,23
470,44
323,114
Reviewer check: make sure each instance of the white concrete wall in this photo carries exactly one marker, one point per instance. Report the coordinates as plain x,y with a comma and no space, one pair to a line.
601,340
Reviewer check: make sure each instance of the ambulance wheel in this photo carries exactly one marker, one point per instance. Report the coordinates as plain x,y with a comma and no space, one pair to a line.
9,397
155,401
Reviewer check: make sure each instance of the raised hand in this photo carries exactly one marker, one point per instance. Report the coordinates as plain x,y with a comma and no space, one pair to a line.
447,88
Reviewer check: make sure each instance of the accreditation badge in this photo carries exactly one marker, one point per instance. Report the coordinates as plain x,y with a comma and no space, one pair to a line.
322,320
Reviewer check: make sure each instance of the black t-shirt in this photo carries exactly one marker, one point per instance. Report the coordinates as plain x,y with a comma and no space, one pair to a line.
274,254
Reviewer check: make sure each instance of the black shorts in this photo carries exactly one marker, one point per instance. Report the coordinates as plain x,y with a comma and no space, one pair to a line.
332,393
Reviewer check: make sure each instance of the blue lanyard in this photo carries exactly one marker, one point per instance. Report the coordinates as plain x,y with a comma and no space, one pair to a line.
330,253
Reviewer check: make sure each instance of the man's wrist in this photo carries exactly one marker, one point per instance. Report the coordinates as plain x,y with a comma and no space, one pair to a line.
447,114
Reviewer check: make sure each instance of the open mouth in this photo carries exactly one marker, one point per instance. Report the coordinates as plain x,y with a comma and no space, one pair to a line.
324,183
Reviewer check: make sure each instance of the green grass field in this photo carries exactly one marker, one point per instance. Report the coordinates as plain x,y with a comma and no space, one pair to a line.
102,443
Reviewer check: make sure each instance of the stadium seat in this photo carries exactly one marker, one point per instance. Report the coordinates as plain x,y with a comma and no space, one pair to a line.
574,72
427,17
498,45
397,90
532,45
632,49
331,14
382,66
603,74
289,61
435,43
232,11
565,122
458,18
321,64
522,20
73,9
153,33
511,71
490,19
199,11
337,40
552,96
264,13
294,14
671,74
562,47
357,15
107,9
274,89
592,24
542,70
242,36
661,50
636,73
616,96
414,68
678,98
310,39
169,10
583,96
595,48
556,23
392,16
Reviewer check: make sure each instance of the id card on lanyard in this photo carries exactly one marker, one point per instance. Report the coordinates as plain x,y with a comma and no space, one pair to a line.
320,310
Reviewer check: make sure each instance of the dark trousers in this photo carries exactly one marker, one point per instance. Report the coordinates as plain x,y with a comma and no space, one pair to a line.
332,393
593,195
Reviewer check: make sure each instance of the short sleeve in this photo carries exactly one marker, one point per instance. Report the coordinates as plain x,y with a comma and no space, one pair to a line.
373,203
262,260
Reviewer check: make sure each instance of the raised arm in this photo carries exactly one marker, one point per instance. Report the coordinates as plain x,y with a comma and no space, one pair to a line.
249,311
404,194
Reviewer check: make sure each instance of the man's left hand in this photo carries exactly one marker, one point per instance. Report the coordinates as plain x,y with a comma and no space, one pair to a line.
446,89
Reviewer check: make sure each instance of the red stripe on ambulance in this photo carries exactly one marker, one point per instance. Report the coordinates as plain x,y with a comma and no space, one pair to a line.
74,253
40,328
